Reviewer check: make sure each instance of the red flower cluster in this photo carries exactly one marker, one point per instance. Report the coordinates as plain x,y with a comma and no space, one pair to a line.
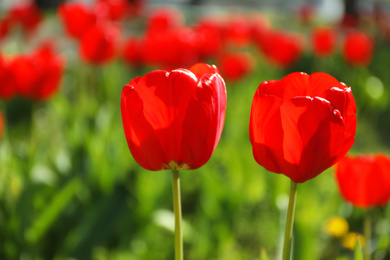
302,125
93,26
364,180
168,44
174,120
35,75
24,14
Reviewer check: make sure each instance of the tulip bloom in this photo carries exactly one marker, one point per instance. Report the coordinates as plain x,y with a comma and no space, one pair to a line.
235,66
324,41
174,120
115,9
27,14
37,75
7,86
6,24
302,124
170,49
99,43
131,51
163,19
209,37
281,48
357,49
77,18
364,180
238,31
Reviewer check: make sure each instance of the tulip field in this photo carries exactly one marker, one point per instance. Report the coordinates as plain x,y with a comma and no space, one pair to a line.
131,130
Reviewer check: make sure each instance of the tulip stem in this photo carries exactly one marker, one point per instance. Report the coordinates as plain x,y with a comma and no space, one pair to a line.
367,235
290,221
177,210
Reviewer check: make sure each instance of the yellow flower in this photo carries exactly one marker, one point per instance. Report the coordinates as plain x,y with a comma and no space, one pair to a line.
350,239
336,226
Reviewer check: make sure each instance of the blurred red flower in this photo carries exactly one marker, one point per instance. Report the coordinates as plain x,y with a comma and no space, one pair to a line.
131,52
260,27
324,41
26,14
114,10
163,19
357,49
209,37
238,31
5,26
235,66
37,75
77,18
281,48
7,86
170,49
174,120
301,125
364,180
99,44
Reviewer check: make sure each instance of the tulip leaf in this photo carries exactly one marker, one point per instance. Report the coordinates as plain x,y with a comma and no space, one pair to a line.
358,250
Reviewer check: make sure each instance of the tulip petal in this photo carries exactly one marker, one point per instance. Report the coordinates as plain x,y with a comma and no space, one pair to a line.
141,138
321,82
311,127
202,127
265,107
200,69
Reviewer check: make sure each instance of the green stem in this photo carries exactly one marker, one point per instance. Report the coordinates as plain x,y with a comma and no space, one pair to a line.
367,235
289,221
177,210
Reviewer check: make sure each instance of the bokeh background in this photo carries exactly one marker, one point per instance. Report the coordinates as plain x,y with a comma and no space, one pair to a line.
70,189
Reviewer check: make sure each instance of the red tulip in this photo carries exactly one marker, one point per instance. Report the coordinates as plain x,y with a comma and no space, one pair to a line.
364,180
7,86
77,18
235,66
163,19
302,124
357,49
324,41
5,26
260,27
114,9
209,37
37,75
171,49
282,48
174,120
27,14
238,31
132,51
99,44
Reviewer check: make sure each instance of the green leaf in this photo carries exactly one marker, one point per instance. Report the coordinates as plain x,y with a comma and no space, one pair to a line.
358,250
